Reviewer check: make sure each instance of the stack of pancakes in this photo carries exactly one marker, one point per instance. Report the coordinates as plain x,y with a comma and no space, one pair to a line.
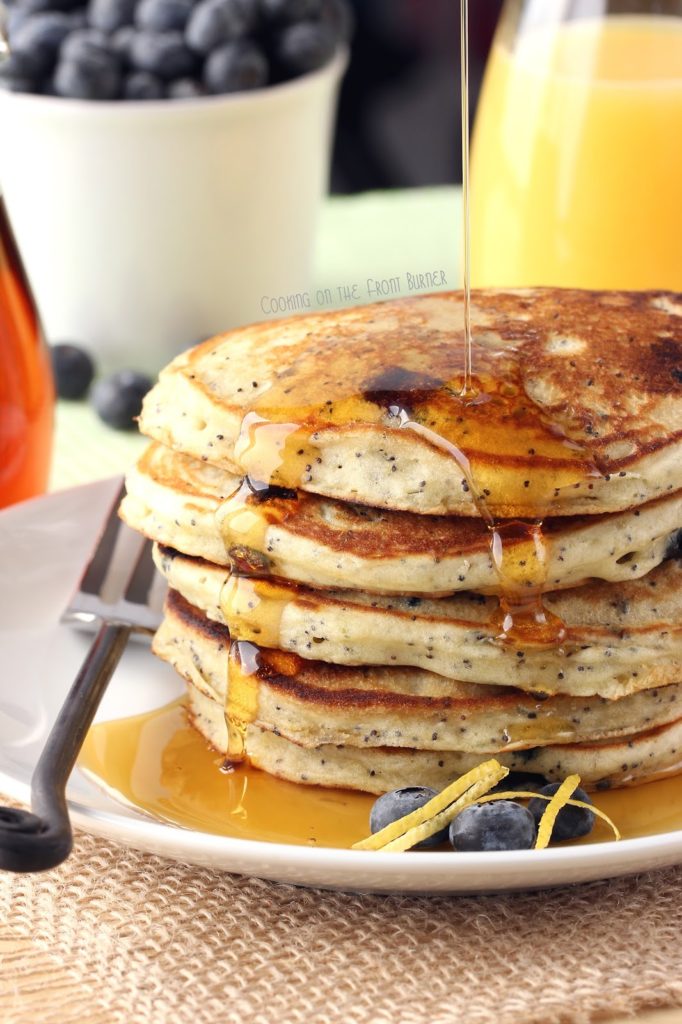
379,577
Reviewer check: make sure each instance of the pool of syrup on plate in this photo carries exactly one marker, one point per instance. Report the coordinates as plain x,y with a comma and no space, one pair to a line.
158,763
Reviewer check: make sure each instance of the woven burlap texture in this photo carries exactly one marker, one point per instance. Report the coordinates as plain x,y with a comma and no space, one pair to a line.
119,936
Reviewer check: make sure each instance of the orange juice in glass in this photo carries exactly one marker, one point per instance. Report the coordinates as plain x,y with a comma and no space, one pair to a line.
577,147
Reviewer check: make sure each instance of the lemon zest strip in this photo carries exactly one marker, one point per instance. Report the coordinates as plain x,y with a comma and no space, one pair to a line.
441,820
559,800
486,775
526,795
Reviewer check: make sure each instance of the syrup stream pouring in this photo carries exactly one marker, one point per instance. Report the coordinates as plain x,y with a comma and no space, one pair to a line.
468,391
119,594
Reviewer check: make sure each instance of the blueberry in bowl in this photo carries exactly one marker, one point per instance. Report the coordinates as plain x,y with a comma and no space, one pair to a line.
174,145
107,49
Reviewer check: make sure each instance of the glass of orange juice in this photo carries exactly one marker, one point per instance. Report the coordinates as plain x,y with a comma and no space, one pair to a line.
577,147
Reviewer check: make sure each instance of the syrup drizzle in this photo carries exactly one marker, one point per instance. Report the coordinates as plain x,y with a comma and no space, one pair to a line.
468,391
241,698
522,616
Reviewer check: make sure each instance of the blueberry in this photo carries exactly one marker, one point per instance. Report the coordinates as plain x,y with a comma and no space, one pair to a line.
88,67
108,15
528,781
163,15
15,83
143,85
88,80
214,22
22,66
571,822
117,399
39,38
86,44
287,12
33,6
163,53
304,47
235,67
399,802
498,825
16,16
673,547
35,44
185,89
79,19
73,370
120,42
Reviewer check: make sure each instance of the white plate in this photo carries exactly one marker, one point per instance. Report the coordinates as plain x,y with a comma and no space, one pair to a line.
43,546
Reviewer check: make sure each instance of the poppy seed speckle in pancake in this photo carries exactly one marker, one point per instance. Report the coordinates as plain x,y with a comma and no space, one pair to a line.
617,641
185,504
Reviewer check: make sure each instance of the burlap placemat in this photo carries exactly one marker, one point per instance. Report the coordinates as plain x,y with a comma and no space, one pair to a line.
119,936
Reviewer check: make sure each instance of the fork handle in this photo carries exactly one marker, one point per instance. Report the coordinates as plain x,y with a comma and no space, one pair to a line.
42,838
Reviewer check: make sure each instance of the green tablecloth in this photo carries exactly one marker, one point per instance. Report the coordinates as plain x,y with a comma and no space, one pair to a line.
362,240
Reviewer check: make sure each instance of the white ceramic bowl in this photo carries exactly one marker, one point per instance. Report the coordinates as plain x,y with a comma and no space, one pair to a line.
146,226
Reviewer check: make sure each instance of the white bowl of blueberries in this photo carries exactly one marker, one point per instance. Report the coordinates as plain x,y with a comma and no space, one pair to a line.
163,161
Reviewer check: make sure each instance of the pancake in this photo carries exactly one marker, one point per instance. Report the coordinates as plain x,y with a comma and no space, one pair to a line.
579,407
621,762
191,506
313,703
619,638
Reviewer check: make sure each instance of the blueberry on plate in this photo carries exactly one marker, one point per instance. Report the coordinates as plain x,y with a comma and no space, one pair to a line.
235,67
304,47
214,22
163,15
673,548
498,825
73,370
185,89
109,15
399,802
528,781
287,12
163,53
117,399
571,822
143,85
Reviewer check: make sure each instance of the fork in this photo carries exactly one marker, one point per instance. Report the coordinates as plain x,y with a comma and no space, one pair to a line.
120,594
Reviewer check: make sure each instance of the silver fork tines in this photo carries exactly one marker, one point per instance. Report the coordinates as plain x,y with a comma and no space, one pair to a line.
120,584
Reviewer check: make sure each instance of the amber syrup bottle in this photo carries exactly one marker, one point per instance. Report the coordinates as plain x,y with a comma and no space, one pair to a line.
26,387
